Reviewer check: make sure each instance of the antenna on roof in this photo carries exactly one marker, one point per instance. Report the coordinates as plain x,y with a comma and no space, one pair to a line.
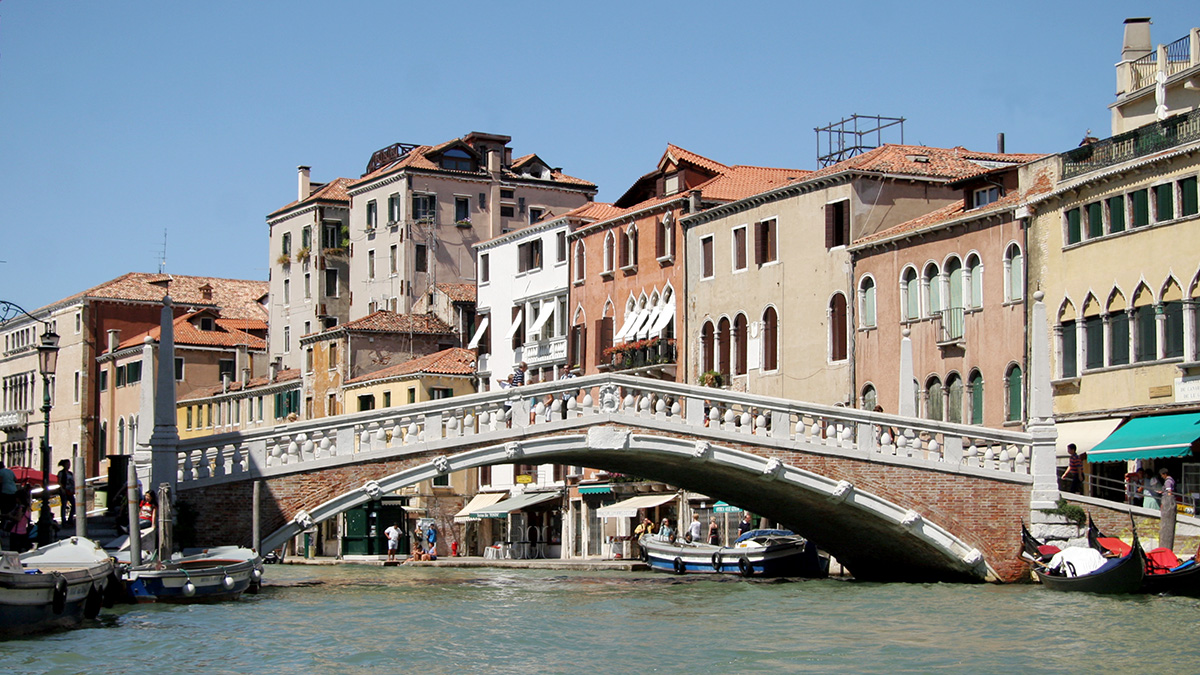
850,137
162,255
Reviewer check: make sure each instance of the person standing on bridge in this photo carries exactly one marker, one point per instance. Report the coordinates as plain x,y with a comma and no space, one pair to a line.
1073,476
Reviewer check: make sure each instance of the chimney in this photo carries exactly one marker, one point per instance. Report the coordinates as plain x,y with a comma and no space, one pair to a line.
305,182
1000,142
225,383
1137,39
114,339
242,362
493,160
694,201
275,368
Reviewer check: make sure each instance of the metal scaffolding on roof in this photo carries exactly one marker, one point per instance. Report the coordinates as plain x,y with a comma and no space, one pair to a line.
851,136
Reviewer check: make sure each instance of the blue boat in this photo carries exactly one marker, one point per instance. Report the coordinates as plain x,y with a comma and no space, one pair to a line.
206,577
761,553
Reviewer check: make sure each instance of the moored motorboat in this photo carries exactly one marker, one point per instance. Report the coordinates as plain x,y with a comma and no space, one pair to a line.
770,553
1053,568
188,579
55,586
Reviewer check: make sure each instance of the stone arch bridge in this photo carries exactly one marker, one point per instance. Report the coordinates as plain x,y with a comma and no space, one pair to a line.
891,497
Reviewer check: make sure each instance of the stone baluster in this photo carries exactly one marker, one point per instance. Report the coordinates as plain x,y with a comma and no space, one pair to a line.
220,454
189,467
203,470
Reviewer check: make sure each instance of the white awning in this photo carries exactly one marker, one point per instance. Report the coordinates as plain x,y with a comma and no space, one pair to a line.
521,501
1085,434
479,501
516,324
478,333
625,328
543,316
651,317
664,317
630,507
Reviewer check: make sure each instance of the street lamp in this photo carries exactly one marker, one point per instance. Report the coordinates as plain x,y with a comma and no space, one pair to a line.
47,362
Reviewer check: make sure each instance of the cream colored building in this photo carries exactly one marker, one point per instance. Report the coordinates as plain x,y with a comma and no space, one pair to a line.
1150,76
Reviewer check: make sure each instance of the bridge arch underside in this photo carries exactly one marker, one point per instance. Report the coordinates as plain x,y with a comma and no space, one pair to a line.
883,522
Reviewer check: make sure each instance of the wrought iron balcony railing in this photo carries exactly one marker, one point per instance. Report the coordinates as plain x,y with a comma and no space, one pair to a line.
1153,137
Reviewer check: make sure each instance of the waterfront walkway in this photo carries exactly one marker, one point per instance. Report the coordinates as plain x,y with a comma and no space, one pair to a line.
583,564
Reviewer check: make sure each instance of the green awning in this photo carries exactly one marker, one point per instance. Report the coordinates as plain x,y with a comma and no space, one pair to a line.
595,489
1148,438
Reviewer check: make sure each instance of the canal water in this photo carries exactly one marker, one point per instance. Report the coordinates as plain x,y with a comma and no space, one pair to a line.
351,619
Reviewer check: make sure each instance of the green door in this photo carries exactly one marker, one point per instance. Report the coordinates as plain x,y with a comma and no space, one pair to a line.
356,540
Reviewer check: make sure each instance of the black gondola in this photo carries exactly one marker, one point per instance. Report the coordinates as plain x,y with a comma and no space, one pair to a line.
1119,575
1180,579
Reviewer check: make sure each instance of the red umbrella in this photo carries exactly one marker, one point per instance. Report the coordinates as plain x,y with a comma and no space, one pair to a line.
28,476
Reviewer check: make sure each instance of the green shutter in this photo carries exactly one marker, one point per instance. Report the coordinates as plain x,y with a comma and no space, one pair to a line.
1070,367
1116,214
1073,232
1164,202
1095,220
1173,341
1118,341
1015,395
976,399
1141,208
1189,201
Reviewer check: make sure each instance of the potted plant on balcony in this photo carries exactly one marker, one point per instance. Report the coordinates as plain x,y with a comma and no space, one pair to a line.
465,222
711,378
303,254
284,259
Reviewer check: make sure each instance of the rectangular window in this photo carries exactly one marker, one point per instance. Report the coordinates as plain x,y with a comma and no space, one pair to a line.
392,255
78,382
412,395
387,399
985,196
393,207
1069,367
1074,231
371,264
133,372
739,248
1164,202
441,480
1093,326
529,256
372,214
189,417
507,211
535,214
1147,334
287,340
765,245
837,224
485,268
225,367
287,292
1140,202
506,193
424,207
437,393
366,402
286,248
462,210
103,380
1189,200
420,259
560,247
179,367
331,405
308,360
306,238
333,356
706,257
1118,342
1116,214
1095,216
78,322
330,235
331,282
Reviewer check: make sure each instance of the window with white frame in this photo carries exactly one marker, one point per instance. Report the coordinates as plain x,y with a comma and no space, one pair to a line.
866,302
985,196
610,242
706,257
372,214
485,268
1014,274
932,286
580,261
393,206
975,272
560,247
910,295
738,248
629,252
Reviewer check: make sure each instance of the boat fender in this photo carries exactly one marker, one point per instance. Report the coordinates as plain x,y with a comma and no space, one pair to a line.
227,582
716,561
91,606
744,566
680,568
59,602
189,589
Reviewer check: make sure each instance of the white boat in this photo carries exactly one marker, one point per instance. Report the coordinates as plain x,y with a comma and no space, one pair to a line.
217,574
55,586
768,553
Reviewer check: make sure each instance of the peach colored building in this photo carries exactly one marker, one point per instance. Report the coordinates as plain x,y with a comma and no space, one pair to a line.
627,272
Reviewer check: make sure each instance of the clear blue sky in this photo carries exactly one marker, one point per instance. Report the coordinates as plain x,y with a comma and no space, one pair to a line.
120,119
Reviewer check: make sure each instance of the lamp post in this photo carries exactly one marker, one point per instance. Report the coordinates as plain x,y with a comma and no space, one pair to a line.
47,361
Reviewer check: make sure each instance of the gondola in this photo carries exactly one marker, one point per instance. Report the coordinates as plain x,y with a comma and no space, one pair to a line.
1164,572
1118,575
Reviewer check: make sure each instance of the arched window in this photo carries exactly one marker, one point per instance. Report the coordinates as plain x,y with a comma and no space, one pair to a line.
580,261
1014,274
723,334
837,328
707,339
609,254
770,339
740,337
869,398
1013,394
121,436
866,302
1172,309
910,294
933,396
975,385
954,275
1068,341
663,244
629,247
954,399
1118,329
932,285
1145,337
975,272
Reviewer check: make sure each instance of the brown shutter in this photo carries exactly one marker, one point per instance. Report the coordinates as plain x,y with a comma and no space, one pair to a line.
760,243
830,224
582,360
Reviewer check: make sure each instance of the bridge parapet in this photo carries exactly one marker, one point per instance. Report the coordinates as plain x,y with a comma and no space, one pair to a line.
697,411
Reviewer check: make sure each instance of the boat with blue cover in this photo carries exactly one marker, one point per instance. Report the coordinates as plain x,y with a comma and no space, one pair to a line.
765,553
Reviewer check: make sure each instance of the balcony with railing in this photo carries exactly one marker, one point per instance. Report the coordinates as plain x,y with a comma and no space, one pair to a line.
642,354
949,324
1174,58
1145,140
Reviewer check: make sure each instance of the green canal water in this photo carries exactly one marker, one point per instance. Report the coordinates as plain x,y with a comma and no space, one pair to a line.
353,619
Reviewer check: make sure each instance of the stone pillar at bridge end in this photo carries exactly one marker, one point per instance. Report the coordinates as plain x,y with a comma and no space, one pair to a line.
164,442
1041,427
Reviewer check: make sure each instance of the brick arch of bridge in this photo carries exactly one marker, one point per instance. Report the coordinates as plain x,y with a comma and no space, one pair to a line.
882,521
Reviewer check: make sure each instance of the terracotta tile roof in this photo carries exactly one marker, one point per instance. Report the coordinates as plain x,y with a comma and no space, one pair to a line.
920,160
237,298
689,157
384,321
419,158
289,375
453,361
1042,183
187,334
458,292
739,182
333,191
595,211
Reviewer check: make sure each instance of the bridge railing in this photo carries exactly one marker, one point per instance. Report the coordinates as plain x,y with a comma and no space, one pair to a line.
701,411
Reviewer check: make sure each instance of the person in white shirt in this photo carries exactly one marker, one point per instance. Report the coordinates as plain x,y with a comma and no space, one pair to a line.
694,529
393,539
